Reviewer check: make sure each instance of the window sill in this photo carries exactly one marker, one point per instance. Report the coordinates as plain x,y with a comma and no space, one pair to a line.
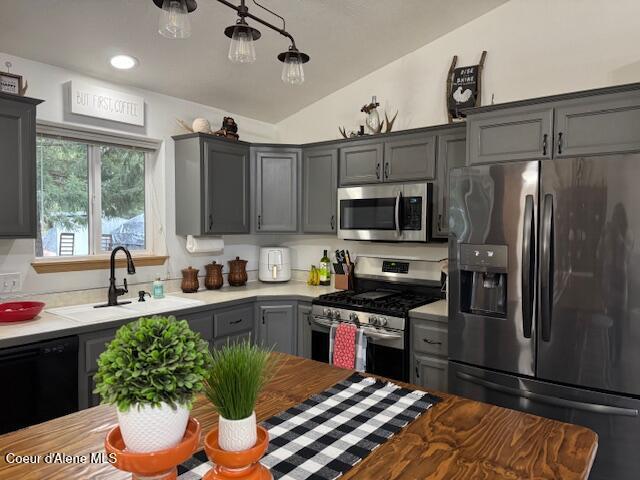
95,263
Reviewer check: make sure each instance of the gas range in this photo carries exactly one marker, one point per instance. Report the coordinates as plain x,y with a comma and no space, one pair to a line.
385,291
379,307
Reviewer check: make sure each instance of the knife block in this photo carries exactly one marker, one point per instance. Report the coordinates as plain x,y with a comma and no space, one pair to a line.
343,281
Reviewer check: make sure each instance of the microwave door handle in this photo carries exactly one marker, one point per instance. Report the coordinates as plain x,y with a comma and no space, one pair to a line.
397,213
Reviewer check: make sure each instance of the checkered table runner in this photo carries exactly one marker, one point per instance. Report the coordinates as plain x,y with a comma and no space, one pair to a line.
326,435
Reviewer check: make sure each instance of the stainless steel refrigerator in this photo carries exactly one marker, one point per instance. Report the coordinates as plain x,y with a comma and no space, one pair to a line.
544,306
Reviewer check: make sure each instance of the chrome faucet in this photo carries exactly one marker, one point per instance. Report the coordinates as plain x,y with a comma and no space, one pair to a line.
114,291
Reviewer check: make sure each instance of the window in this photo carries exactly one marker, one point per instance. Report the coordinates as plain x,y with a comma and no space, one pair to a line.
92,197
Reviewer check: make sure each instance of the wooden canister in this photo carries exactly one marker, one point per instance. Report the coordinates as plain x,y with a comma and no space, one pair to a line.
190,282
213,279
237,272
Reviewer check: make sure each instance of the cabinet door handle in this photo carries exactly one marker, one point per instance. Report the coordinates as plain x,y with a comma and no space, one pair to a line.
560,143
431,342
544,145
259,222
263,318
378,171
333,222
235,322
439,222
210,221
386,170
417,371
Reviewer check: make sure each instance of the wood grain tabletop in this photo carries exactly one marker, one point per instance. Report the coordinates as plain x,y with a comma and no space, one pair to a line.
456,439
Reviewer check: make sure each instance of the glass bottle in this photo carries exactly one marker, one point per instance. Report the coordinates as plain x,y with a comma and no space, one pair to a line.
325,270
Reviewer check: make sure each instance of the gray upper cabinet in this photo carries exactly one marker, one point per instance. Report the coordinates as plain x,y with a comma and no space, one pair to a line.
276,196
319,189
598,124
513,134
212,185
361,162
410,157
278,329
18,166
452,150
226,188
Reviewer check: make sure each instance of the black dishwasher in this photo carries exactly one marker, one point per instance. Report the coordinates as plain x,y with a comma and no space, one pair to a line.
39,382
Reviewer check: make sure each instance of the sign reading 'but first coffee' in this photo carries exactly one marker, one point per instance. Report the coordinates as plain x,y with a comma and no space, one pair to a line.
99,102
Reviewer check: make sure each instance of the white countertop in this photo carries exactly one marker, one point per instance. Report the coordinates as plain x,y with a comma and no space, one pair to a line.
433,311
48,325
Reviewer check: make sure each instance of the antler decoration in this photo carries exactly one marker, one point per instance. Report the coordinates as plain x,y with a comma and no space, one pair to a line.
390,122
184,125
343,132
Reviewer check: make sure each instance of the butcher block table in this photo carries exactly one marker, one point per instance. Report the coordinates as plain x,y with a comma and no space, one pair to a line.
456,439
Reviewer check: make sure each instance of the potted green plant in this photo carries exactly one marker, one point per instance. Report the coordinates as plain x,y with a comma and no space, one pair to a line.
151,371
237,375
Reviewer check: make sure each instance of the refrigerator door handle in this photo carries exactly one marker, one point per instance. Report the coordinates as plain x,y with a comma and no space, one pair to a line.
546,268
527,280
550,400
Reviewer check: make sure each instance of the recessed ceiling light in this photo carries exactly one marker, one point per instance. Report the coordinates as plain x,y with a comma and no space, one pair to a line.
123,62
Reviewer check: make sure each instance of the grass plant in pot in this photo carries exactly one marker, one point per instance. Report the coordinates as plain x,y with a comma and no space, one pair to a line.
236,377
151,371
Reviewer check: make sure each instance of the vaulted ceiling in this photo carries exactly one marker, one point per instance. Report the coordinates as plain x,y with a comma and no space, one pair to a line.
346,40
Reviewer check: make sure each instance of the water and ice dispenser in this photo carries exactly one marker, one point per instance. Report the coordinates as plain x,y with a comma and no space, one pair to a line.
483,279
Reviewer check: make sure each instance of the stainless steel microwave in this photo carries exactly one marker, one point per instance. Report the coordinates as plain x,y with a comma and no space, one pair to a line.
389,212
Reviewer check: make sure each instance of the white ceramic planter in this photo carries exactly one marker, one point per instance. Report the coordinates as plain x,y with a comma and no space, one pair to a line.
149,429
237,435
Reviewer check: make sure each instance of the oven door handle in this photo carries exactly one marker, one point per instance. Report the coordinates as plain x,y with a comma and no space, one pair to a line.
397,213
377,335
322,323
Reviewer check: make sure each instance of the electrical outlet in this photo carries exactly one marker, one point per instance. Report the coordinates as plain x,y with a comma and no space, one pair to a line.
10,283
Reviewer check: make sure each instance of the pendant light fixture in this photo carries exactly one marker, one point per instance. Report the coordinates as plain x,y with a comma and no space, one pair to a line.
174,18
242,47
174,23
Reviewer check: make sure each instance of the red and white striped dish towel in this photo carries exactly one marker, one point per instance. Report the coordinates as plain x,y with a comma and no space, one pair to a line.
344,346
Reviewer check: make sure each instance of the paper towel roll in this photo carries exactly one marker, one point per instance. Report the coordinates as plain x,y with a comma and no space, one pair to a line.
204,244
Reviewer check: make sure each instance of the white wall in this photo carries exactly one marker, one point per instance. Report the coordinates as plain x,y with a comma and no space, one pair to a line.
535,48
46,82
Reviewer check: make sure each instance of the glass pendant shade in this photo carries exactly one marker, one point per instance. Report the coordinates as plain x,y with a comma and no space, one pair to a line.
242,48
174,19
292,69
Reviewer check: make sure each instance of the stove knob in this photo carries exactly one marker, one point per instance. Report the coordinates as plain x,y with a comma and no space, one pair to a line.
327,312
353,316
373,320
382,322
336,315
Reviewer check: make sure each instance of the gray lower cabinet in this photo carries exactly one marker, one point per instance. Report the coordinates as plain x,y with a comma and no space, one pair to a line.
599,124
452,151
201,322
277,327
212,185
276,195
304,330
429,350
429,372
18,166
91,345
319,190
410,157
513,134
361,162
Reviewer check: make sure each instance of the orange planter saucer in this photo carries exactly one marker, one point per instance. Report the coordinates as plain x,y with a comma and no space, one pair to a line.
160,465
244,465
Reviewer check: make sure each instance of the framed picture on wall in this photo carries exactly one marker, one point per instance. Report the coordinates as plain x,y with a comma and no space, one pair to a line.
10,83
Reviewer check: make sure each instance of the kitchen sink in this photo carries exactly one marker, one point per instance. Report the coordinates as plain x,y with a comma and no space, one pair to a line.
166,304
88,314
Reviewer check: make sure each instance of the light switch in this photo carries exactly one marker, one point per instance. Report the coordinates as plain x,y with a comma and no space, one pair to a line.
10,282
